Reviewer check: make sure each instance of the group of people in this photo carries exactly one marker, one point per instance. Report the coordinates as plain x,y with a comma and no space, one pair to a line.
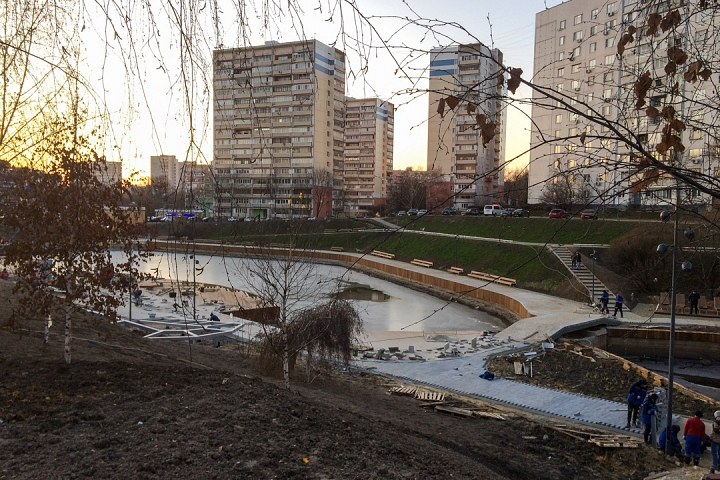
619,302
642,405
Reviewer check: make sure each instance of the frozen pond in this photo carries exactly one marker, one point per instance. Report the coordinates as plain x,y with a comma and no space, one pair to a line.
383,305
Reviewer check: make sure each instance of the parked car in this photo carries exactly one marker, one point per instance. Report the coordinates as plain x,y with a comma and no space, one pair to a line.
557,213
412,211
472,211
495,210
207,219
588,214
449,211
520,212
402,213
232,219
422,212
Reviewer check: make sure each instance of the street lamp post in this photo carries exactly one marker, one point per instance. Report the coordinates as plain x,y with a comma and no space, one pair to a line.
685,266
456,246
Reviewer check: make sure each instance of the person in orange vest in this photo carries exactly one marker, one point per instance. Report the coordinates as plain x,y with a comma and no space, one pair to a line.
693,433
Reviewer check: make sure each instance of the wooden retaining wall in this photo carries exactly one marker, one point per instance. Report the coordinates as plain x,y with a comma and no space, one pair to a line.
428,279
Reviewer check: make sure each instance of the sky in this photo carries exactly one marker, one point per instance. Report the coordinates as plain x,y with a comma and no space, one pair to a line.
149,109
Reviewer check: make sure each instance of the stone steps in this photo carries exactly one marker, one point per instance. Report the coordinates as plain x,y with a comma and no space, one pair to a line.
583,274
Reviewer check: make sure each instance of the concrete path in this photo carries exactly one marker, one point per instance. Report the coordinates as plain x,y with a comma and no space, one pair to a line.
461,375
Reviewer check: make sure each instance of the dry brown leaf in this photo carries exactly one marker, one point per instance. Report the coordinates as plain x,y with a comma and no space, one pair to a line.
652,112
514,81
641,88
501,80
650,176
640,103
471,108
672,19
583,135
441,107
668,112
662,148
677,55
671,68
705,74
653,22
452,102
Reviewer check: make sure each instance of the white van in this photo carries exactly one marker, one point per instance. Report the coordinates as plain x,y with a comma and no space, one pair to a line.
494,210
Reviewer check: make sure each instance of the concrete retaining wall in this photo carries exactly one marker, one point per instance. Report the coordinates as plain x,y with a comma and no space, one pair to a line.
654,343
368,262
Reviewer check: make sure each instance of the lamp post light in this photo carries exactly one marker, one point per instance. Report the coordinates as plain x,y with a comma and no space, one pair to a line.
686,267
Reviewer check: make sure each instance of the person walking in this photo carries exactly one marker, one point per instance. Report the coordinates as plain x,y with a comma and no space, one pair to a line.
675,445
694,298
635,398
618,305
648,412
715,446
693,433
604,299
578,260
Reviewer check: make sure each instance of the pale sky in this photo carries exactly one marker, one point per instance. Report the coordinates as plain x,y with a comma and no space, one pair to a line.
157,99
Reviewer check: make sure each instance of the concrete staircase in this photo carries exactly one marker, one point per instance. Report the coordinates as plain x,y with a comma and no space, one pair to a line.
584,274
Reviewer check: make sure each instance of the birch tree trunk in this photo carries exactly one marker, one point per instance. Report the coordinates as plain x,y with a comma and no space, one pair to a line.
48,324
68,334
286,363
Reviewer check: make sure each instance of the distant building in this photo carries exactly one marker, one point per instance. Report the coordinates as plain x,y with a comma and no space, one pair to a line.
369,133
470,73
110,173
279,113
165,169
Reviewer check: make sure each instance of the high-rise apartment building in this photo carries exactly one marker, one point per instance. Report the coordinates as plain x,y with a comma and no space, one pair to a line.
576,55
111,173
278,115
369,132
165,170
470,73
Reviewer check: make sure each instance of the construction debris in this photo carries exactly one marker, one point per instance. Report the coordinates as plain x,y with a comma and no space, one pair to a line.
454,411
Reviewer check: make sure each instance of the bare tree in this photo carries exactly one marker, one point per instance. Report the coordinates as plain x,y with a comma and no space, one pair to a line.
65,223
284,279
322,192
515,190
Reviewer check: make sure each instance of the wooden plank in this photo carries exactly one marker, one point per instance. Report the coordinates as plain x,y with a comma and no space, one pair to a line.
454,411
403,390
429,396
495,416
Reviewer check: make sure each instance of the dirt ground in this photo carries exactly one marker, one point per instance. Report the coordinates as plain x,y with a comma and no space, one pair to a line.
134,408
603,378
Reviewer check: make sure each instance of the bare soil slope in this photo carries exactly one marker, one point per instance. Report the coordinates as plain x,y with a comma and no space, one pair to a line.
133,408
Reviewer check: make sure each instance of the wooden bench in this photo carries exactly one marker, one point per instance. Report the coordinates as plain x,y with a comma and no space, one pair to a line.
344,230
378,253
422,263
281,245
456,270
511,282
329,230
337,249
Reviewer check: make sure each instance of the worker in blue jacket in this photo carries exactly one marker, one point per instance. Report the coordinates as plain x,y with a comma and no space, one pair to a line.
635,398
648,411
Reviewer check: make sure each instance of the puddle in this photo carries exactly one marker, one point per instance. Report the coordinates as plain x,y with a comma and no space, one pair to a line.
358,291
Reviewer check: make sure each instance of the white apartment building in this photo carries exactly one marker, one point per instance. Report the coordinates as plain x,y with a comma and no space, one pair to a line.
576,55
369,133
470,73
278,114
111,173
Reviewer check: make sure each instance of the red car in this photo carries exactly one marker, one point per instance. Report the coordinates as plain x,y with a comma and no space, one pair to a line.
557,213
589,213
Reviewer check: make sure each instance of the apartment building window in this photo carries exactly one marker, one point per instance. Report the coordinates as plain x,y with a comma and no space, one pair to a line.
576,51
612,8
572,163
561,71
576,68
607,77
558,118
594,13
593,47
561,41
609,42
591,81
578,36
572,132
557,149
557,133
560,87
562,25
609,59
695,152
573,100
701,36
606,110
607,93
561,55
590,97
576,85
696,135
594,30
609,25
